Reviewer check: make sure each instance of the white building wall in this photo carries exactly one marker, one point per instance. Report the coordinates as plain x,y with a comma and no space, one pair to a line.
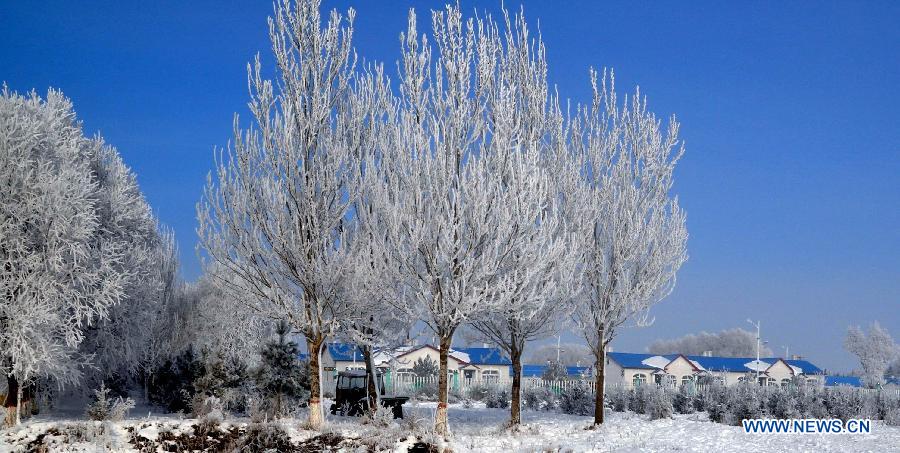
613,373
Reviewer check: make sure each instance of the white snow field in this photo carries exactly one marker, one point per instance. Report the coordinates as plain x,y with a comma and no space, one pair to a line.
479,429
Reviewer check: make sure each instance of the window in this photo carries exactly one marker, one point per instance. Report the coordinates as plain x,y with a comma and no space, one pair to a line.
638,380
720,380
490,375
785,382
685,380
352,382
666,379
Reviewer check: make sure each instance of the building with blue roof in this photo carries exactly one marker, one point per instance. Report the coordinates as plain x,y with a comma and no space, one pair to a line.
482,363
629,369
846,381
537,371
856,381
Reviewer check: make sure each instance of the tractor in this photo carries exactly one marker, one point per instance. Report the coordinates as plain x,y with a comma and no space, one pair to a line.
351,397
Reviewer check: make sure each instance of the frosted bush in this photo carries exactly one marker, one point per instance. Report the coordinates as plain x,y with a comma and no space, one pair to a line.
885,402
636,399
479,392
426,391
497,398
210,411
843,402
577,400
744,401
683,400
782,403
658,403
810,403
268,436
712,400
617,398
104,408
383,417
539,398
892,417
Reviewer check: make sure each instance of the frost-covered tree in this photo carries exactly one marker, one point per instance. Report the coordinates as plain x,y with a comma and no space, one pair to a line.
215,317
374,322
875,352
727,343
120,343
525,131
441,199
158,315
59,273
634,236
894,369
277,214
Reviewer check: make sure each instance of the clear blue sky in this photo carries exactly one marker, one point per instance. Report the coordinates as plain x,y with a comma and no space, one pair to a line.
789,110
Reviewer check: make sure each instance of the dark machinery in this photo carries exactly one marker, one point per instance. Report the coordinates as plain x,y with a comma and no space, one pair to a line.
350,396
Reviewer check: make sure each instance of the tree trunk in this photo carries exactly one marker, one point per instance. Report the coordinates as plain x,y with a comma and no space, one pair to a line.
12,402
515,407
599,391
18,404
147,388
441,426
316,418
372,386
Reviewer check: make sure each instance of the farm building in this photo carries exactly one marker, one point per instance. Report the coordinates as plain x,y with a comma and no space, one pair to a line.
470,364
630,369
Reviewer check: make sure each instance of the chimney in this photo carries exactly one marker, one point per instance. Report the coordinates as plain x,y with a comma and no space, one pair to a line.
484,345
796,357
707,354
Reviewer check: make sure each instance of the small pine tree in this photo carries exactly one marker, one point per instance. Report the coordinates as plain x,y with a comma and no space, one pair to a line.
281,374
425,367
555,371
212,379
173,383
658,403
684,400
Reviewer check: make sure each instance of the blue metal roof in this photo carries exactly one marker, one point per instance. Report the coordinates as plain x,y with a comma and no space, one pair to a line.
345,352
852,381
855,381
538,370
485,356
733,364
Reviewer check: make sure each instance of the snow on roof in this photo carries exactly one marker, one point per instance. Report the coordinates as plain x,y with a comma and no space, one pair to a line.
656,361
757,365
697,364
459,355
796,369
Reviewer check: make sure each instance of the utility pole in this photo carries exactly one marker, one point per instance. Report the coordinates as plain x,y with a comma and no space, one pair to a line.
558,346
757,323
786,356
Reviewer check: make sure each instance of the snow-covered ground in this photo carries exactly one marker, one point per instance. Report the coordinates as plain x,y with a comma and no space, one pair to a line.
480,429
